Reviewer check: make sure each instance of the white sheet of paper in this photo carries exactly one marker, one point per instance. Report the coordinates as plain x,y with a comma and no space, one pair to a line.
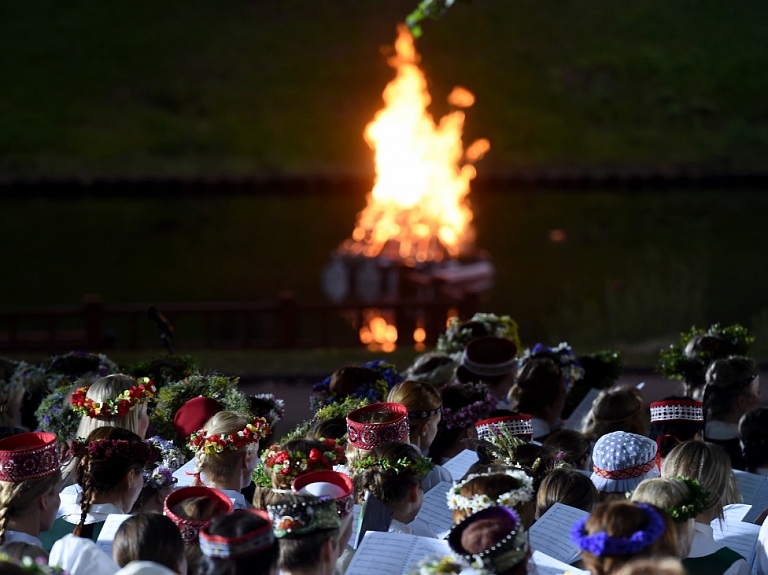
581,411
394,553
749,484
459,464
180,474
551,533
107,534
434,509
546,565
739,536
356,510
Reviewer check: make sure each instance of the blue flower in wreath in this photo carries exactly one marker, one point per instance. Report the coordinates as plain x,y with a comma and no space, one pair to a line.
371,380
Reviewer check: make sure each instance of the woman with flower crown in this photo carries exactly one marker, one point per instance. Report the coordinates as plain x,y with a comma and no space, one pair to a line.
617,532
112,401
226,453
110,469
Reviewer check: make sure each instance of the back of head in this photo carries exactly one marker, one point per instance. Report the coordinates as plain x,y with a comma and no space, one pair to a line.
616,409
539,383
566,486
706,463
656,566
463,406
649,530
509,487
753,432
670,432
726,380
109,387
389,472
239,544
148,537
574,447
223,463
418,397
299,456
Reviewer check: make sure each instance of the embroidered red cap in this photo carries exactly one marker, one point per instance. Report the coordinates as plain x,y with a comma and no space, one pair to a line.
364,435
190,528
28,456
677,410
330,484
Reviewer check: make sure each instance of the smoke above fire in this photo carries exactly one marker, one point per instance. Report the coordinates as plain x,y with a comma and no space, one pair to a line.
417,210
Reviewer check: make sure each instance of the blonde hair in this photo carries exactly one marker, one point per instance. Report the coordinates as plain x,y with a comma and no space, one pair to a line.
16,498
709,465
666,493
416,396
222,465
616,409
656,566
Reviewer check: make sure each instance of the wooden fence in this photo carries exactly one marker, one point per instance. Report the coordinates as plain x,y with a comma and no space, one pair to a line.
283,323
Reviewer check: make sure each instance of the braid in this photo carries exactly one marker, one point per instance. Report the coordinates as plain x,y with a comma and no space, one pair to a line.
88,493
6,494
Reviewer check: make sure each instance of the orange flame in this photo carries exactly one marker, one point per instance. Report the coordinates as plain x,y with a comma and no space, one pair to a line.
417,209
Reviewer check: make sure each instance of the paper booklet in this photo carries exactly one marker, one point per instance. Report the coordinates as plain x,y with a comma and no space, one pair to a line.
394,553
578,414
546,565
183,479
739,536
374,516
460,464
434,509
551,533
107,534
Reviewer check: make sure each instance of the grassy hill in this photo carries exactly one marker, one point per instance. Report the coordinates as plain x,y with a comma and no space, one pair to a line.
180,88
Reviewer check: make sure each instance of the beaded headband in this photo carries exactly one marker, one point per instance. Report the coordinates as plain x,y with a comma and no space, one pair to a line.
677,410
215,443
295,463
516,425
468,415
424,414
328,483
251,543
480,501
120,406
601,544
370,435
296,520
190,528
28,456
501,556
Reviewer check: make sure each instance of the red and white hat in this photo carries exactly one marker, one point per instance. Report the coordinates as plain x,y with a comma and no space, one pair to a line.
370,435
517,425
28,456
190,528
677,410
330,484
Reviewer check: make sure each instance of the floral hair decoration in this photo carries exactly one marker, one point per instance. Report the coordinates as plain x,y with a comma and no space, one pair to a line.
691,507
479,501
421,466
374,392
276,408
115,449
120,406
280,461
170,460
296,520
468,415
601,544
459,333
563,355
214,443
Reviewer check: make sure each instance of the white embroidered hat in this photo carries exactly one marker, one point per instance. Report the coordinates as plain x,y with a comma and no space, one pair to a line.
622,460
677,410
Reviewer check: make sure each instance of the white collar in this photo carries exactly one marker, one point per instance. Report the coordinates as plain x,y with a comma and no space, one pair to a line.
97,513
237,498
720,430
13,536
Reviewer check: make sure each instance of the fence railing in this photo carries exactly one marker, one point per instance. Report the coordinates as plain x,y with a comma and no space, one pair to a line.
283,323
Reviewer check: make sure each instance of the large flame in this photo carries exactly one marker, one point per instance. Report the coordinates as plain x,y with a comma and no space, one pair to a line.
417,210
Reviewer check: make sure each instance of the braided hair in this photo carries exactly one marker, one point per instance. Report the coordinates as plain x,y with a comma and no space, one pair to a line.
16,498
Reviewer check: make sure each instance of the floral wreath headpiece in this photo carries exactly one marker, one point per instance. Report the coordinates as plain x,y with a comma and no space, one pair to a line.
214,443
170,459
37,566
478,502
280,461
276,410
468,415
601,544
120,406
420,466
563,355
460,333
115,449
693,505
296,520
374,392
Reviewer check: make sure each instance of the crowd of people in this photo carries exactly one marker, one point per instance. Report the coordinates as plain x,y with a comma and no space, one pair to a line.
160,469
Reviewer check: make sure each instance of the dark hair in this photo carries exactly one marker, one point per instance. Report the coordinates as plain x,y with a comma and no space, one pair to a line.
700,350
148,537
727,380
753,432
537,460
566,486
494,484
454,397
386,484
677,430
98,475
574,446
233,526
539,383
334,428
346,380
303,552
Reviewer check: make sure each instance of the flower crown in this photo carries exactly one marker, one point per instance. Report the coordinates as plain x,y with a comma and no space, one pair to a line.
170,460
421,466
216,443
280,461
276,408
563,355
115,449
459,333
374,392
674,364
695,503
479,501
120,406
468,415
601,544
37,566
